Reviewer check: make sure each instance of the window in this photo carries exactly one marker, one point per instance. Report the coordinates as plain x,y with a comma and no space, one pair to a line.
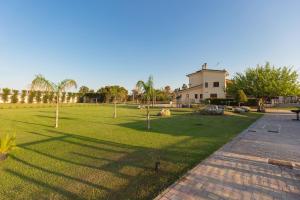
201,96
196,96
206,84
213,96
216,84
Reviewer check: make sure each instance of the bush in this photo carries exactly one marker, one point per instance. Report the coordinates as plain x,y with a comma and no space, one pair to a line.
5,94
7,144
31,96
45,97
164,112
222,101
38,96
23,96
14,97
241,97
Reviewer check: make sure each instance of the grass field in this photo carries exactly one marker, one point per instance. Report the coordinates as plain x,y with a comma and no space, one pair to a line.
93,156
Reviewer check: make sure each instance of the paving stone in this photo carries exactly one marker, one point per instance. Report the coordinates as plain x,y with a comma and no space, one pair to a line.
240,169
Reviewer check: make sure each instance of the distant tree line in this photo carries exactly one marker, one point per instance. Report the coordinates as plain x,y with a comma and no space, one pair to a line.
110,94
32,96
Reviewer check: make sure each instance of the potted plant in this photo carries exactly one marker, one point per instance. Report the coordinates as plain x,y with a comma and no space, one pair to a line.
7,144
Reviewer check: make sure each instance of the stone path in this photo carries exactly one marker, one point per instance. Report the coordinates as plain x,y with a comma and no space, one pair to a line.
240,169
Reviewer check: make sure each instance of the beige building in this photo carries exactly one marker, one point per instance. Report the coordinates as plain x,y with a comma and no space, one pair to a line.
203,84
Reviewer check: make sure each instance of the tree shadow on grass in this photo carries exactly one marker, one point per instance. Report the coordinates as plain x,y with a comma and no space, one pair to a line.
53,117
93,158
191,124
133,164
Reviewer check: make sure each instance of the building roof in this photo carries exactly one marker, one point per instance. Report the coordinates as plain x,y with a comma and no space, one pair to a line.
212,70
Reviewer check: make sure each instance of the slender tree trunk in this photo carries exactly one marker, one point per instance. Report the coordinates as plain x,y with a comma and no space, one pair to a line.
57,104
115,112
148,116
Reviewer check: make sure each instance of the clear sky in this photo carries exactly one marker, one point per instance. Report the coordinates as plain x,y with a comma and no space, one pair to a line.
120,42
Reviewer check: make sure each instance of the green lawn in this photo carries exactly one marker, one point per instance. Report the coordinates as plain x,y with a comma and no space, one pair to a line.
93,156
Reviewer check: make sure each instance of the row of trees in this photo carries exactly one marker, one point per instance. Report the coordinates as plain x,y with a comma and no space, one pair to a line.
265,82
110,94
31,96
113,93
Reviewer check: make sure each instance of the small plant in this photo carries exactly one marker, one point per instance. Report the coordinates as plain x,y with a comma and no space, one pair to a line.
32,95
45,97
23,96
5,94
14,97
38,96
7,144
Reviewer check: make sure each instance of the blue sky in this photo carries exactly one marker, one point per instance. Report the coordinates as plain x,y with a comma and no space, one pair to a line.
120,42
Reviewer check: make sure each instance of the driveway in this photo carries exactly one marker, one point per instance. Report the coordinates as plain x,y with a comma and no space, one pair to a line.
263,162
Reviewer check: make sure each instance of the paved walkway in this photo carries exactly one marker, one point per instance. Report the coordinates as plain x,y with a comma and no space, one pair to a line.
240,169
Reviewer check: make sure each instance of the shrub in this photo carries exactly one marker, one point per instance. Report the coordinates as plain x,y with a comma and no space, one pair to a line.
222,101
38,96
14,97
51,97
241,97
23,96
7,144
63,97
69,96
164,112
31,96
5,94
45,97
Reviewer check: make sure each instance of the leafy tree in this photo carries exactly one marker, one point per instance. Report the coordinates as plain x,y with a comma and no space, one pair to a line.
23,96
148,93
5,94
241,97
51,97
40,83
111,93
84,89
38,96
31,96
184,86
46,97
117,93
265,82
69,96
14,97
63,97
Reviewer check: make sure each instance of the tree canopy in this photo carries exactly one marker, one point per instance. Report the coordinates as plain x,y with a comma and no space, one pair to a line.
266,81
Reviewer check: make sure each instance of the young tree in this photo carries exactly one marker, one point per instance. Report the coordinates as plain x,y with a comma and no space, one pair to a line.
148,92
266,82
83,89
38,96
40,83
241,97
69,96
23,96
50,97
118,94
31,96
63,97
5,94
14,97
45,97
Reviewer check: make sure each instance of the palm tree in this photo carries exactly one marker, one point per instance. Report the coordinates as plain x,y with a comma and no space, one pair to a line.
41,83
148,93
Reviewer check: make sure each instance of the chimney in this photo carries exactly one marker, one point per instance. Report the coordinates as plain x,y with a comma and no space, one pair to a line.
204,66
